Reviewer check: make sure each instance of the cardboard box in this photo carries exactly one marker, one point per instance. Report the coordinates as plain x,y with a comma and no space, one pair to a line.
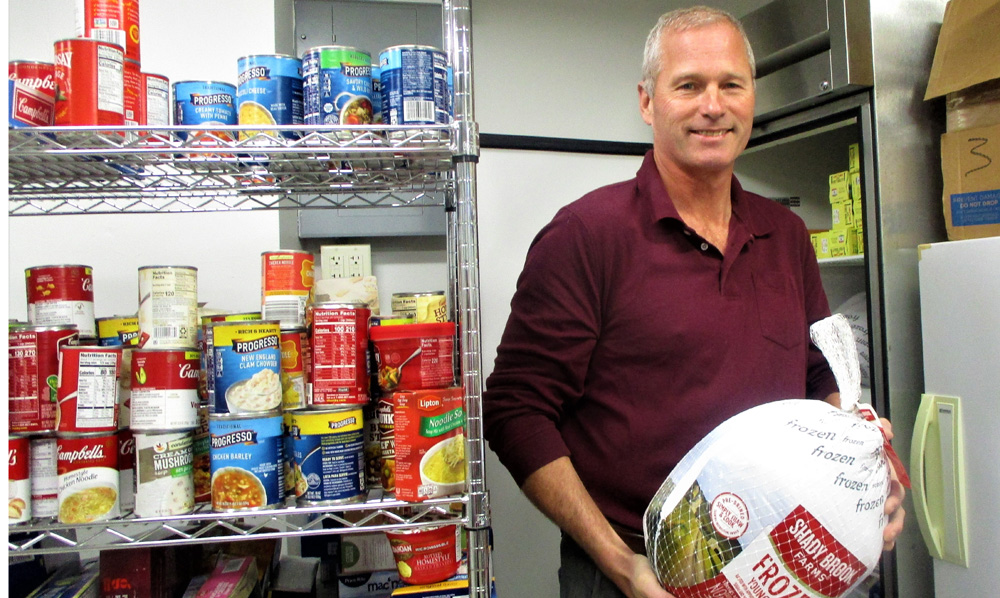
822,245
854,158
970,161
144,572
967,48
842,214
376,584
839,186
360,553
233,578
976,106
843,243
856,186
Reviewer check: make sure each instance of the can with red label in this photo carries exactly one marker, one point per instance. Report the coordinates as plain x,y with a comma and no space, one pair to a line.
103,20
339,342
168,307
19,478
87,398
132,93
164,389
33,360
90,76
88,477
130,23
286,283
126,469
296,361
44,478
154,100
32,93
60,295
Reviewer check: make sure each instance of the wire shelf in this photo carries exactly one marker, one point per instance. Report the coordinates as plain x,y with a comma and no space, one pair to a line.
74,170
207,526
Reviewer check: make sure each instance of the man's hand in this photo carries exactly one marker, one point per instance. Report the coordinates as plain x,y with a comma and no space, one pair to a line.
894,504
643,580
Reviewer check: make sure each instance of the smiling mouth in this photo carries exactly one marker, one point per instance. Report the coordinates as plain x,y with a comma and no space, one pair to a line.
708,133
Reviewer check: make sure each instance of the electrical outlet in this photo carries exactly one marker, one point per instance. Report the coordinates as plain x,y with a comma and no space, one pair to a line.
345,261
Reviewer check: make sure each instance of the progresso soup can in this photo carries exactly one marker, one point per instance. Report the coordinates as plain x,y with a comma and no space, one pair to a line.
247,461
268,91
205,346
88,477
247,361
205,103
337,86
414,85
117,331
60,295
328,446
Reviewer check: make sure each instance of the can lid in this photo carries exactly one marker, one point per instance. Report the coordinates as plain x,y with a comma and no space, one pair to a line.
382,333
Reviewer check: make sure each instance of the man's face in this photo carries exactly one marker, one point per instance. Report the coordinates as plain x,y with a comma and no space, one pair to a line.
702,109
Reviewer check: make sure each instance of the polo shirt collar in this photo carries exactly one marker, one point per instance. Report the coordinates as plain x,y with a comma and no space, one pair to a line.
651,185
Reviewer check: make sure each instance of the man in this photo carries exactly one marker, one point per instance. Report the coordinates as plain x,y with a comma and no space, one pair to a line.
651,310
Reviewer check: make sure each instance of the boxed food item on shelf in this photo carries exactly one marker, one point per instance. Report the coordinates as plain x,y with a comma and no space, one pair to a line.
971,167
839,186
147,572
374,584
71,580
453,588
365,552
854,159
266,552
296,578
430,443
842,214
234,577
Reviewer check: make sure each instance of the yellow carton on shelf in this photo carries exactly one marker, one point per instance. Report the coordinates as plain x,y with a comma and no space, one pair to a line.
822,245
854,158
859,214
861,241
839,186
855,185
843,243
842,214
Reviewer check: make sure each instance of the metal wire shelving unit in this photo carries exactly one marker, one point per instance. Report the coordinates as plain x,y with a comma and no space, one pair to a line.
135,170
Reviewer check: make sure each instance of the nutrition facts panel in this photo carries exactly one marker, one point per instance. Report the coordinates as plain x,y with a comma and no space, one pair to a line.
97,390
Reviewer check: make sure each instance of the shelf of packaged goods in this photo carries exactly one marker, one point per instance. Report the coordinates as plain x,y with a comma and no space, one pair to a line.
207,526
74,170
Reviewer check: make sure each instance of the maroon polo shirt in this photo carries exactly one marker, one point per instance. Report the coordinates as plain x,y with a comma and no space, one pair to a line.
630,338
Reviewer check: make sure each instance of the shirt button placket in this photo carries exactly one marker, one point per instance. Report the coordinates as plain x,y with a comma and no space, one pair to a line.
704,246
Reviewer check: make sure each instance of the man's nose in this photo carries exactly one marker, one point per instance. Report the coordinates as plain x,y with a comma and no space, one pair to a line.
711,102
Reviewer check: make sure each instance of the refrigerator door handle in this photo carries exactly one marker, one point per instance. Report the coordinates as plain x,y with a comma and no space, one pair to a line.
938,473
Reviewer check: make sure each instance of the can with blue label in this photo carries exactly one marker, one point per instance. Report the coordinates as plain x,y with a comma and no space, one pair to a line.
414,85
337,86
204,103
247,461
247,366
329,457
268,91
376,94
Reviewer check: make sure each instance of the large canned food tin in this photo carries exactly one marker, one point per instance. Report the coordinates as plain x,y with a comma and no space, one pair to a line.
116,331
205,345
90,77
154,99
88,389
18,479
430,306
88,477
384,415
414,85
164,389
103,20
132,91
164,484
247,461
286,283
31,90
376,94
268,91
168,307
247,361
296,361
44,478
205,103
415,356
339,354
292,472
33,361
60,295
130,23
337,86
126,470
201,459
329,454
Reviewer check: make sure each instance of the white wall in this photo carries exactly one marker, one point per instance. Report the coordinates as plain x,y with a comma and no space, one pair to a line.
225,247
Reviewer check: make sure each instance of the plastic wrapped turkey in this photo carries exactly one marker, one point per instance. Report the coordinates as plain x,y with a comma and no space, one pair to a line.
785,499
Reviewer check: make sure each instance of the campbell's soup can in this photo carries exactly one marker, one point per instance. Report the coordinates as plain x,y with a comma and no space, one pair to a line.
247,365
205,103
44,478
339,341
60,295
88,477
328,448
201,459
414,85
90,76
268,91
296,361
164,389
33,375
168,307
424,307
164,481
118,331
286,284
337,86
101,19
130,23
247,455
18,479
87,397
132,100
31,90
154,100
126,470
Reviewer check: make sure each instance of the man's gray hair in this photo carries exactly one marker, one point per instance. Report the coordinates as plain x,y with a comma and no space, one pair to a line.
682,20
